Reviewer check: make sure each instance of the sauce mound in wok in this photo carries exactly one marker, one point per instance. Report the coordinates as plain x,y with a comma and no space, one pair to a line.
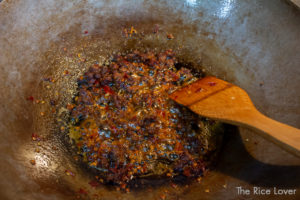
124,124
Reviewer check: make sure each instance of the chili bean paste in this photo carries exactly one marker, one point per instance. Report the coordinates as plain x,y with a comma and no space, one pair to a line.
125,126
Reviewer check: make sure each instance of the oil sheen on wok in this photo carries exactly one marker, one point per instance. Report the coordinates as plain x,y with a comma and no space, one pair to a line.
125,126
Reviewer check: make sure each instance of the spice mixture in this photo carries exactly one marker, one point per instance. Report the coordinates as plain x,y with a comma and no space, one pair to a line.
124,124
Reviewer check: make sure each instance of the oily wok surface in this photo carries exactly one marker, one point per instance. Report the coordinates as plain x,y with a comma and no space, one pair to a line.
254,44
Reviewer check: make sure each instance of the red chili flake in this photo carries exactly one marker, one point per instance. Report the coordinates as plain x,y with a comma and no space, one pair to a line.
70,106
66,72
107,89
170,36
86,32
199,90
35,137
175,77
125,76
174,186
123,185
76,158
163,197
82,191
32,162
114,128
134,118
96,82
163,113
114,170
178,146
187,172
94,183
69,173
30,98
212,83
150,102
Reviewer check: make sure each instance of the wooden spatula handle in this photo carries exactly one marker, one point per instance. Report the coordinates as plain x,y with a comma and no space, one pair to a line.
217,99
281,134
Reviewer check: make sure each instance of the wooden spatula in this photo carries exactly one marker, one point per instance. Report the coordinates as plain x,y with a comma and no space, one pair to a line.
220,100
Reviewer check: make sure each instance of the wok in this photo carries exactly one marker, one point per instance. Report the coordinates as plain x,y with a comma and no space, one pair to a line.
254,44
